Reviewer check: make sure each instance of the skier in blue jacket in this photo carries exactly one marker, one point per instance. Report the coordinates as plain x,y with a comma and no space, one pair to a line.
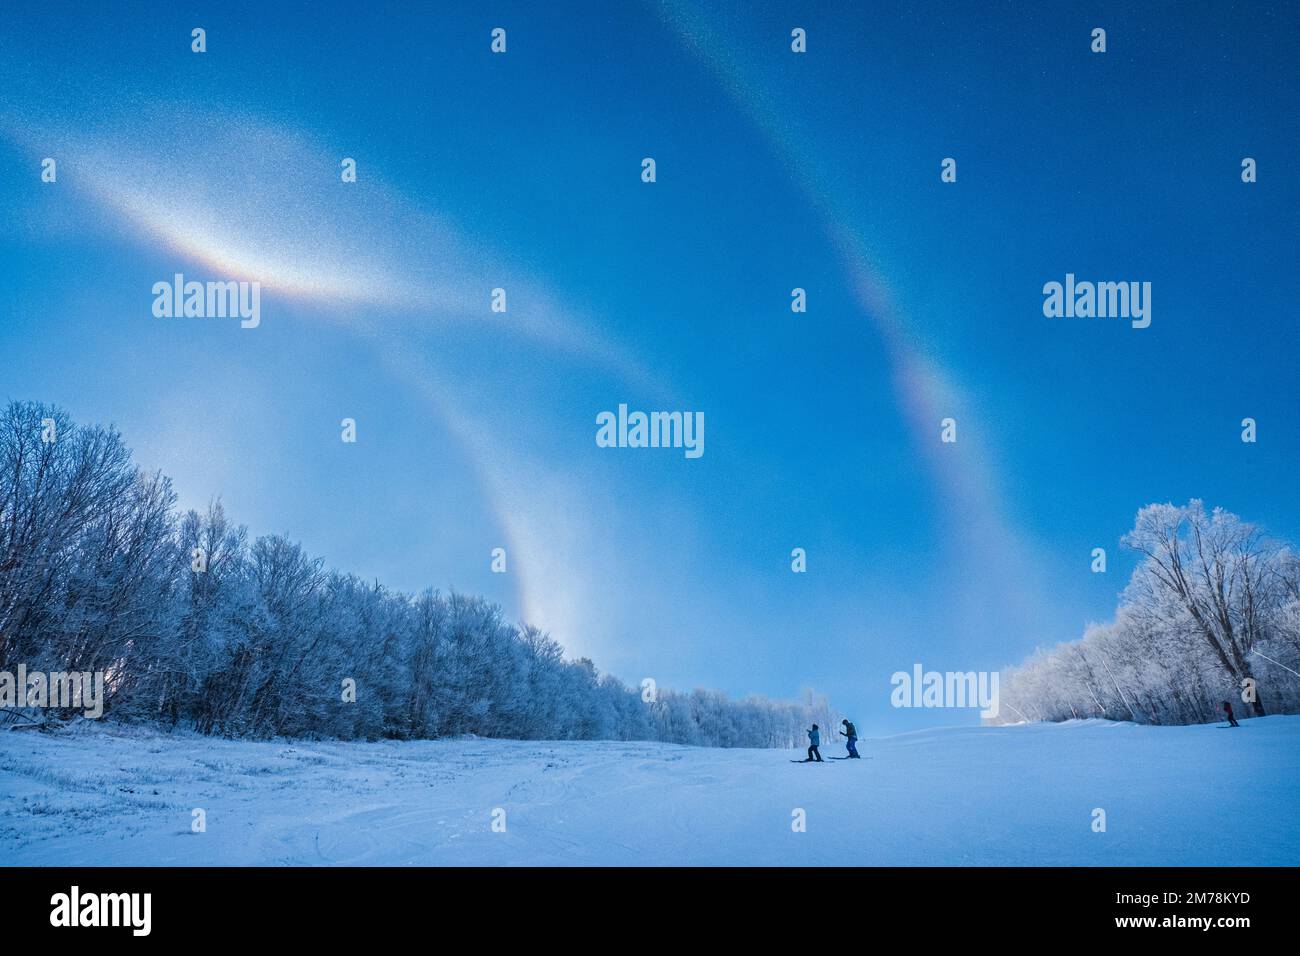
815,741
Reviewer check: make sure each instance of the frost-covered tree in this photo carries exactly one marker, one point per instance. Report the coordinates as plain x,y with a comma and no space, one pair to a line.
1212,613
1213,572
195,626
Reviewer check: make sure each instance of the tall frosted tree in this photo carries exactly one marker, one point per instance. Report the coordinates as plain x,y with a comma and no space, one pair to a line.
1212,613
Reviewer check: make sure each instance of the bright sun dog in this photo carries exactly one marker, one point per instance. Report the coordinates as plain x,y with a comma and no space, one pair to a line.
655,430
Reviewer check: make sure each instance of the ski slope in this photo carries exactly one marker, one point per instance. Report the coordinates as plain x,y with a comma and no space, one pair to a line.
1020,795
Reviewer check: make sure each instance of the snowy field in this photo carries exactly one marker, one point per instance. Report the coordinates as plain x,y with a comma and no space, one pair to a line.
1010,795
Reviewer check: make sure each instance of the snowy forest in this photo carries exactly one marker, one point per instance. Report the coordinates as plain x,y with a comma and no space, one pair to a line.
194,625
1211,614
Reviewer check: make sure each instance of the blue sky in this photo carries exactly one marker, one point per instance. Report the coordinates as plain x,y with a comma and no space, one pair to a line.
775,170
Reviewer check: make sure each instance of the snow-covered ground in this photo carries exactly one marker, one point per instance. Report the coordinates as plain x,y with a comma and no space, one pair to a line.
1020,795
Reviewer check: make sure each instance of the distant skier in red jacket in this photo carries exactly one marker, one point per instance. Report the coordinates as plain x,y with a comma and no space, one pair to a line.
1227,709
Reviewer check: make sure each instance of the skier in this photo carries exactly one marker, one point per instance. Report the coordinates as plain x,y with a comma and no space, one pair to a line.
852,733
1227,709
815,741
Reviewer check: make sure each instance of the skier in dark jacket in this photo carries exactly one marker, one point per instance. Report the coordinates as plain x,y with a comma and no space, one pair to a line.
1227,709
814,741
852,733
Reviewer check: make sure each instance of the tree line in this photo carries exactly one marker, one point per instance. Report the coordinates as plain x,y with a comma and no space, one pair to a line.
1211,614
194,624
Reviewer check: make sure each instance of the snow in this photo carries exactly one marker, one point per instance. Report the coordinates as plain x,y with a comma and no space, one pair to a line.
100,794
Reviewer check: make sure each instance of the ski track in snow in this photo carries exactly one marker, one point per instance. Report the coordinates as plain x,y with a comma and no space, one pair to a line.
1022,795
